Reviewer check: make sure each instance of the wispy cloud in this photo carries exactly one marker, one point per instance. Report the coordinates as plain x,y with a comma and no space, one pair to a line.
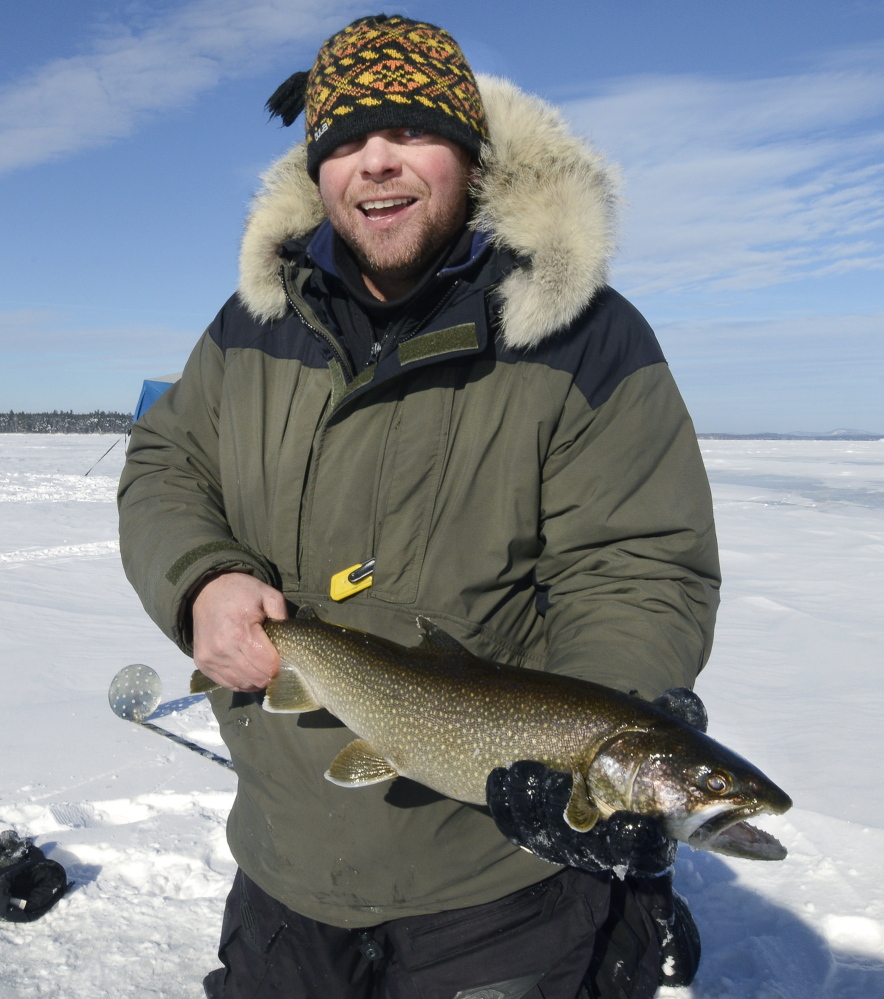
87,100
739,184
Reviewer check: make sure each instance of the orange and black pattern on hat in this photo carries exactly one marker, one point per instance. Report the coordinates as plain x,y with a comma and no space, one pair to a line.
396,62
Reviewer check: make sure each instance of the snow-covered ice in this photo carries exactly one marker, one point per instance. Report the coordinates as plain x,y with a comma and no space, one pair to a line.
794,683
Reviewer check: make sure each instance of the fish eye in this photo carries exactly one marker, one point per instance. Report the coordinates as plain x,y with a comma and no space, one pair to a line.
718,783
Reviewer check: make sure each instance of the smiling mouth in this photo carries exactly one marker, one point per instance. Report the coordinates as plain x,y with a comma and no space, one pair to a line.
383,208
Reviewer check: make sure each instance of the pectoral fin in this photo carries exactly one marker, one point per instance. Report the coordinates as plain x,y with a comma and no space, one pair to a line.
581,813
200,683
288,692
358,765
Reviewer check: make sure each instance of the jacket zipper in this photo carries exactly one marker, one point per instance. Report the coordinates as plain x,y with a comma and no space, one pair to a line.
377,348
318,332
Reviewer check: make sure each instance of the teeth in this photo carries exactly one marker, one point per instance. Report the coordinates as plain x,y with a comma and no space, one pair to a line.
367,206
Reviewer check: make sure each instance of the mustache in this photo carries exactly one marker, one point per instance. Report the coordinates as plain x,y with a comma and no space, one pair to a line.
383,193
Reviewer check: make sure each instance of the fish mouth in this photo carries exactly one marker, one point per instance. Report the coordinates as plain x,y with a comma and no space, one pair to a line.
730,834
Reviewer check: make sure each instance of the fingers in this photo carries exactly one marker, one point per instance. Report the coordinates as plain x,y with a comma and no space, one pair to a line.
640,842
516,801
497,793
273,603
557,787
229,642
527,801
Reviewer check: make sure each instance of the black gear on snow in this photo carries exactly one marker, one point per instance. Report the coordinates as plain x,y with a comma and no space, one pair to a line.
29,883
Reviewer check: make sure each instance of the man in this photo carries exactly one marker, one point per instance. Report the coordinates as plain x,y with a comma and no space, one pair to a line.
425,400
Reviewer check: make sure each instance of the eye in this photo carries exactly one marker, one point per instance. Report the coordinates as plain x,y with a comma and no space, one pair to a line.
414,134
717,783
345,149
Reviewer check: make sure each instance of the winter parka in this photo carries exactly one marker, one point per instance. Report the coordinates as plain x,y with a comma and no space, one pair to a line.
520,467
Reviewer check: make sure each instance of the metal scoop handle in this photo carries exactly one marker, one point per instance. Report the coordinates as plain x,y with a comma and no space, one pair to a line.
134,695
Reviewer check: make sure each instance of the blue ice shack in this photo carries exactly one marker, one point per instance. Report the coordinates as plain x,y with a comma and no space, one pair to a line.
151,390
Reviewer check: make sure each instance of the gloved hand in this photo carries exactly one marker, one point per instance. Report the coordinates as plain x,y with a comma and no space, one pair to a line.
682,703
528,800
29,883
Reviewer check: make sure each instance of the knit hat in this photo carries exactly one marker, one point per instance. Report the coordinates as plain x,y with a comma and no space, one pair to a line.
383,72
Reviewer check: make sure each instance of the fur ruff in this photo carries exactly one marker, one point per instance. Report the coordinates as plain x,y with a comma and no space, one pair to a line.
544,193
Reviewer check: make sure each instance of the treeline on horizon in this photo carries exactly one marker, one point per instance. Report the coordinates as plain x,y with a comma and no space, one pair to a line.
98,422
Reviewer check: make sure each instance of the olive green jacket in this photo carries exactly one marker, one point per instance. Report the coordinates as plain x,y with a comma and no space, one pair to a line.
521,468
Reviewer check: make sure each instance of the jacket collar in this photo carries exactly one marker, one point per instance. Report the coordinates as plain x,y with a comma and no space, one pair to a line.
545,195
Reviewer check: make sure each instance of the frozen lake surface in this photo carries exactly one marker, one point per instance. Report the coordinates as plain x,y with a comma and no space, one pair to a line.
795,684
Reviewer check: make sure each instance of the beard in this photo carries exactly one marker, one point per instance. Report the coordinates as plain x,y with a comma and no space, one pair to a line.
396,255
405,250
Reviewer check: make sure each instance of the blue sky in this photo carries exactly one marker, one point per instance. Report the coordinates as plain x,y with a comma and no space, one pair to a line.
750,138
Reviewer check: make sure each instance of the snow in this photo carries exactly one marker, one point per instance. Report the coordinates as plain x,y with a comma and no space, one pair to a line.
794,684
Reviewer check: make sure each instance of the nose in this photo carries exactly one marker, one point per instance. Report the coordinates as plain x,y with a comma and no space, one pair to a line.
380,159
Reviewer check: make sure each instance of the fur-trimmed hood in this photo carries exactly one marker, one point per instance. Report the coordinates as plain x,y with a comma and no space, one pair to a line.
544,193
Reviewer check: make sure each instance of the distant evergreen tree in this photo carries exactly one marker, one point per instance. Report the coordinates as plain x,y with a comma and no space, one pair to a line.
98,422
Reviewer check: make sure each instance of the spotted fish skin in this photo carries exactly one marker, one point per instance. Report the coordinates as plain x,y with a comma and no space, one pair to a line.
438,714
443,717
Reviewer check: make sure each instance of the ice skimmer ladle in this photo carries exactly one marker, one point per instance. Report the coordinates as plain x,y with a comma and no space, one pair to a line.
134,694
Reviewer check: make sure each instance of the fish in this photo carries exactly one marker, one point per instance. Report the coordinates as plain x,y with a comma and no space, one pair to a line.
439,715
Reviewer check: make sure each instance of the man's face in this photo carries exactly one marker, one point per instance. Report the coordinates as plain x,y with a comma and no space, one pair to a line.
396,197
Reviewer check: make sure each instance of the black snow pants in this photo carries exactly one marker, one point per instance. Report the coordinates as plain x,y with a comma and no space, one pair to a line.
575,935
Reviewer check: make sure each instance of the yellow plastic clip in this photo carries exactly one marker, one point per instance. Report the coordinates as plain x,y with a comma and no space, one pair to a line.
357,577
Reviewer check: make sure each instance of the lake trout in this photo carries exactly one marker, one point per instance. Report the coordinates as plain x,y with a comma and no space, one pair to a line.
443,717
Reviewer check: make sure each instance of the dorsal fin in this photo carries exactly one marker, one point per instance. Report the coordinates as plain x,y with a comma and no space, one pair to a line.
306,612
386,643
437,641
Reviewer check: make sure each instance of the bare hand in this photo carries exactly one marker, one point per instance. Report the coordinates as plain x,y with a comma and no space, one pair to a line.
229,642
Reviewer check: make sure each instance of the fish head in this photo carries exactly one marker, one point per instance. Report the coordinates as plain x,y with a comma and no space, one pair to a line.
702,792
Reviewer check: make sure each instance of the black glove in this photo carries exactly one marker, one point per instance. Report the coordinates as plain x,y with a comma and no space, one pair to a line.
683,704
621,965
676,929
679,943
29,883
528,800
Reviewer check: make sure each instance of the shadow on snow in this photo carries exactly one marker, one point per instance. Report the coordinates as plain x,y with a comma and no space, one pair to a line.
755,949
